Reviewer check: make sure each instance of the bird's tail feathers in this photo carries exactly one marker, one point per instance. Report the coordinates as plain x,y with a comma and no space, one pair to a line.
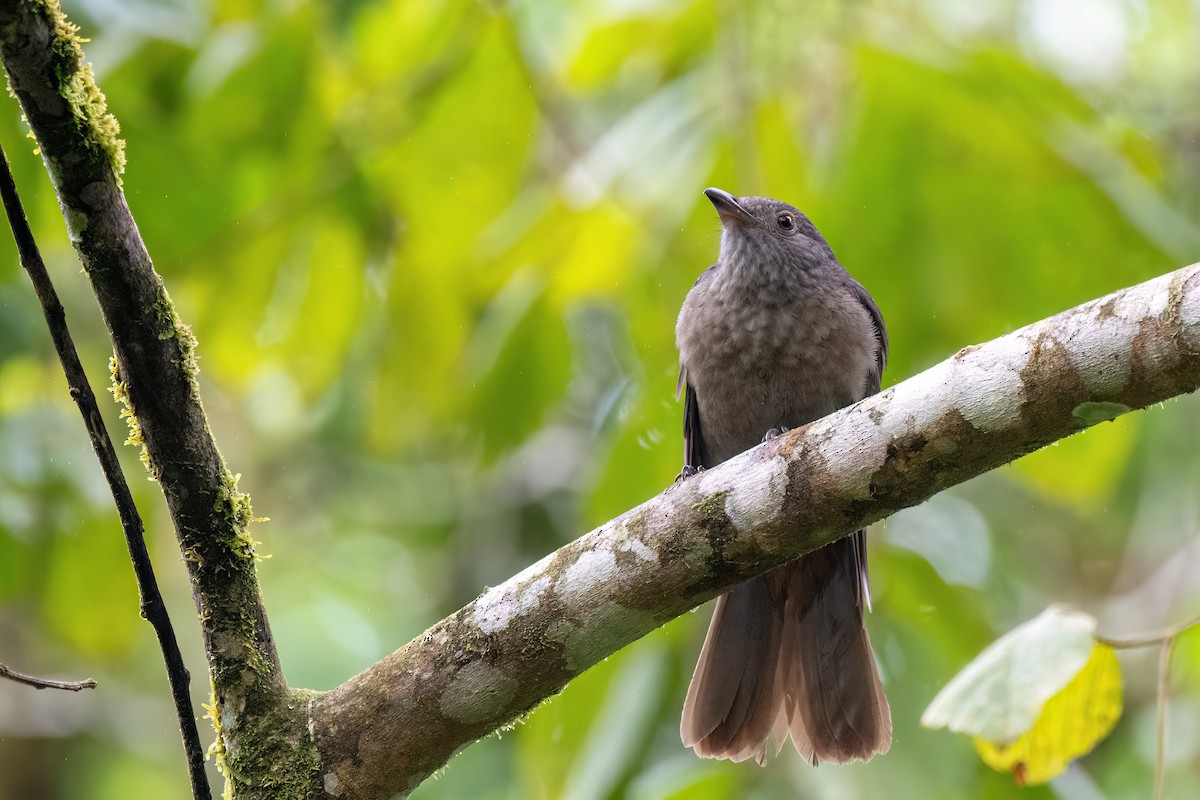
787,654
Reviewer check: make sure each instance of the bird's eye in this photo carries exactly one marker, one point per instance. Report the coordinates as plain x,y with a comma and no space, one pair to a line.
786,221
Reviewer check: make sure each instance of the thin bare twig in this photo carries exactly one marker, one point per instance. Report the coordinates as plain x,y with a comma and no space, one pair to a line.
1160,754
45,683
1150,639
1165,639
152,606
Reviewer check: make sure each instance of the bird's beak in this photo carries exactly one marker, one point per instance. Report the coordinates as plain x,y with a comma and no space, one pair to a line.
728,208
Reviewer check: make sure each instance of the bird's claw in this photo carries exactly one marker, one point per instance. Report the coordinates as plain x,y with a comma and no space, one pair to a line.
773,433
687,472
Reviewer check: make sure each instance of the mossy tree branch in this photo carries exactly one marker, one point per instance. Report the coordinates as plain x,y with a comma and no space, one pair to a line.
154,368
153,608
387,729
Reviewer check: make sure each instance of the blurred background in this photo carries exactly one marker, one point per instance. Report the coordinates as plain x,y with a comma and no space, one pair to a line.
433,254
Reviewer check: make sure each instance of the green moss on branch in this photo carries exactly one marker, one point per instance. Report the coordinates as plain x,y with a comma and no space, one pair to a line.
98,129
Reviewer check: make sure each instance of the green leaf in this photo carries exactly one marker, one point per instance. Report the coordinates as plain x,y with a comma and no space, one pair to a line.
1095,413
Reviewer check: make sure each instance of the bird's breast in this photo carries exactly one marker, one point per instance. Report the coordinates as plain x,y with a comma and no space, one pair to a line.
759,365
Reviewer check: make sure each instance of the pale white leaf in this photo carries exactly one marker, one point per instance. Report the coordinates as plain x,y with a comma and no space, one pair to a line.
998,696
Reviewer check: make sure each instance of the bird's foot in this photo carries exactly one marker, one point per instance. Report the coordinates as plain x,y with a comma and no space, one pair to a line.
687,472
773,433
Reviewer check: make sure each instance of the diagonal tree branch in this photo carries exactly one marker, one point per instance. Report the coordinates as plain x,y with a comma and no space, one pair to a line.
390,727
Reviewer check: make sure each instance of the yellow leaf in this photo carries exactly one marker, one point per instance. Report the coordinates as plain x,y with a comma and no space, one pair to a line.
1071,723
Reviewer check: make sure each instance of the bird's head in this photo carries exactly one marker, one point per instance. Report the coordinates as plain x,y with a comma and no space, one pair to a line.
764,236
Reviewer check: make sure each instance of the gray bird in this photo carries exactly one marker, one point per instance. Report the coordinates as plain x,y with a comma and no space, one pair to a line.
777,334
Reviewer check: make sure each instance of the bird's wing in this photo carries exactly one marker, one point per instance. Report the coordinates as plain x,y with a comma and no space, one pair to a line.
693,440
875,378
873,383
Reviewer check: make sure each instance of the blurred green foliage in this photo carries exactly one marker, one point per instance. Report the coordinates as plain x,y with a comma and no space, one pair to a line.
433,253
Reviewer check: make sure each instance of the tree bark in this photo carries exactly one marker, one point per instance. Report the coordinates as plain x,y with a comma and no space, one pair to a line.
387,729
